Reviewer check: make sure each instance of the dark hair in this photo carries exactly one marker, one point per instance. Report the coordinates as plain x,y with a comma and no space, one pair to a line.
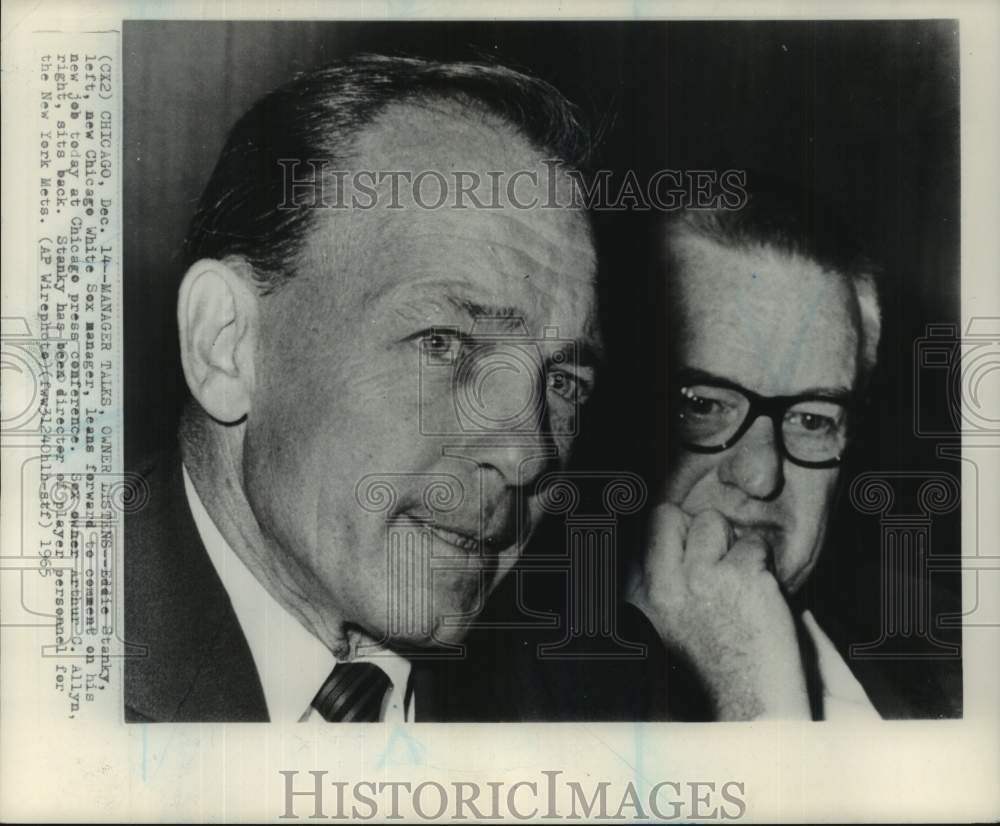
791,220
318,114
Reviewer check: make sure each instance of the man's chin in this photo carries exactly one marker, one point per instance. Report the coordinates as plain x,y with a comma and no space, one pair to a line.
434,599
435,618
440,641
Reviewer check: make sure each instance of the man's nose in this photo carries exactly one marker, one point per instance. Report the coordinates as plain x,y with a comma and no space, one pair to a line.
507,421
754,463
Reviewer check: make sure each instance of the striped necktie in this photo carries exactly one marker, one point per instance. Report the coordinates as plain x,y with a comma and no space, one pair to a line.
353,693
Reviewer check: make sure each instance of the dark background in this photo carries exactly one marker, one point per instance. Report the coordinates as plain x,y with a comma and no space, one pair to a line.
864,113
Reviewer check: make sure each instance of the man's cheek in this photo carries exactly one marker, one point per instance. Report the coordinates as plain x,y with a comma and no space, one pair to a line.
801,542
809,501
686,471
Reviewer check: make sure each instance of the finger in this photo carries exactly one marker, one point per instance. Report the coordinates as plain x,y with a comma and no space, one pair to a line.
708,539
668,529
750,554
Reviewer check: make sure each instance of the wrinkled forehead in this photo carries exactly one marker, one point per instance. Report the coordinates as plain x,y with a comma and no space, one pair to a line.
780,321
505,225
710,277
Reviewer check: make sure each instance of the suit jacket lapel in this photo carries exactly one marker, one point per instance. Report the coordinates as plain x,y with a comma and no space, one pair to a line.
198,666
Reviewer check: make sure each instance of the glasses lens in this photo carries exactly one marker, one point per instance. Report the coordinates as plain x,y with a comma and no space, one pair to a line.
709,416
815,431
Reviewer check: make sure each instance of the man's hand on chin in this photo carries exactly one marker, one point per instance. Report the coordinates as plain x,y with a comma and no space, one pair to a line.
713,598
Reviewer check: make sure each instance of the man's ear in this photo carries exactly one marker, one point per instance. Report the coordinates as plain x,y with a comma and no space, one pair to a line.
217,317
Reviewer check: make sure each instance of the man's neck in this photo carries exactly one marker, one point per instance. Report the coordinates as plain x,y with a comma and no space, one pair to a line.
213,456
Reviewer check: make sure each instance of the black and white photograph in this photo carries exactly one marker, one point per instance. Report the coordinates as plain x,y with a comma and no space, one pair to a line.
597,408
595,397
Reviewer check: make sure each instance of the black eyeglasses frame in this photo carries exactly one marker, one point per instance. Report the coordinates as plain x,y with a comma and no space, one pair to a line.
774,407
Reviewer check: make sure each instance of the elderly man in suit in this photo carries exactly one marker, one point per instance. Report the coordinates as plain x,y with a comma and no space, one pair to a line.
774,331
386,337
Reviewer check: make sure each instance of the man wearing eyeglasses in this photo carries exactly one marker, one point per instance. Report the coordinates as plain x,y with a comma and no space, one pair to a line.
774,331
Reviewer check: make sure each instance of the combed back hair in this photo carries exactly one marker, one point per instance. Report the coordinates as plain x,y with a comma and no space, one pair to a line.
318,115
795,222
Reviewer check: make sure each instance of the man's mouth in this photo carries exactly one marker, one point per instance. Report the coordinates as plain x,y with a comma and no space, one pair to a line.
771,532
470,540
766,531
461,540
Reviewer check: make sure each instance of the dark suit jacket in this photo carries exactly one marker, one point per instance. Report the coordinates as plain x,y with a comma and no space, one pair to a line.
197,666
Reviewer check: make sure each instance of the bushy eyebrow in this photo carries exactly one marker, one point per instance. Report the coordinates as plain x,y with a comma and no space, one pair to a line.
475,310
442,291
512,320
508,318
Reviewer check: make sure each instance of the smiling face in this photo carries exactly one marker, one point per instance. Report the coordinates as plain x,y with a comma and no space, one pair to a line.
362,377
777,325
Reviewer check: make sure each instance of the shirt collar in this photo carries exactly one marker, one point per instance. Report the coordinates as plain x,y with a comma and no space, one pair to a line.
291,663
843,695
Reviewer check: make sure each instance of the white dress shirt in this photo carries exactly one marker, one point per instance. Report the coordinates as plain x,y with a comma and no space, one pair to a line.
292,663
843,696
